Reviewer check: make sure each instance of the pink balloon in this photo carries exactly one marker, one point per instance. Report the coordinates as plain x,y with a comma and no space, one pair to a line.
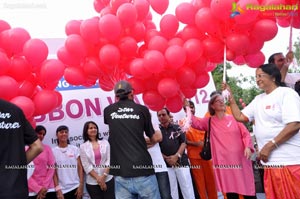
8,87
175,56
255,60
193,49
4,63
185,13
158,43
168,87
98,5
76,46
89,30
127,14
109,55
74,76
201,80
154,61
110,27
168,25
45,101
159,6
52,70
19,68
191,32
142,8
185,76
174,104
128,47
35,51
26,104
73,27
265,29
176,41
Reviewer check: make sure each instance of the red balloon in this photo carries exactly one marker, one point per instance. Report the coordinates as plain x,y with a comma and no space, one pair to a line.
201,80
115,4
109,55
212,47
26,88
4,25
175,56
26,104
19,68
17,38
91,68
153,98
174,104
193,49
185,76
188,92
168,87
67,58
4,63
159,6
137,85
238,43
110,27
185,13
154,61
248,15
76,46
35,51
265,29
176,41
168,25
128,47
59,98
221,9
89,30
8,87
142,8
98,5
127,14
45,101
137,69
239,60
205,22
52,70
255,60
74,76
191,32
138,31
158,43
73,27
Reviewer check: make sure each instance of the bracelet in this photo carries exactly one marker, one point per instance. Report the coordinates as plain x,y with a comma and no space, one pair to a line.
57,188
105,174
273,141
178,155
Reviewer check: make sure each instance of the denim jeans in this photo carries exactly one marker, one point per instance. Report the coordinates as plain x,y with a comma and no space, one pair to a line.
144,187
164,185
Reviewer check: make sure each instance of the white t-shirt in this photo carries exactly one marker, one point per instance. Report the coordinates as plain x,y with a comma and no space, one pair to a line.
291,78
271,114
66,164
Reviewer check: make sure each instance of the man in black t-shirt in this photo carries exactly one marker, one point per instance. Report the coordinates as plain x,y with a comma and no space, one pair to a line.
15,133
130,162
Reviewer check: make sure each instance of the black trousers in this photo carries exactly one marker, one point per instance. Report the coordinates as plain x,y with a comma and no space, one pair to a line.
96,193
236,196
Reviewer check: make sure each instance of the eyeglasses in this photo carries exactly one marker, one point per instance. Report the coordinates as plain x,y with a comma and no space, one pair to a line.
162,115
219,101
260,75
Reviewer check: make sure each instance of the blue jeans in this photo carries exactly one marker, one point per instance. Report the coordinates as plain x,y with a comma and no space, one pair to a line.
144,187
164,185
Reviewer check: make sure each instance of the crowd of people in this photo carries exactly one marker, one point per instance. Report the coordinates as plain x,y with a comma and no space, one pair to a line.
143,161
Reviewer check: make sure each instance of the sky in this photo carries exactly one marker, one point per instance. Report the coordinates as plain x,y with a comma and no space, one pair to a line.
47,19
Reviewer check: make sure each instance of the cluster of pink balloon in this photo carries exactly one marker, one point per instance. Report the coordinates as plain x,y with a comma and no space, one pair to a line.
27,78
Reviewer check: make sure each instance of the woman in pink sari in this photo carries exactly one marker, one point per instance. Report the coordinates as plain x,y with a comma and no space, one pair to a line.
231,147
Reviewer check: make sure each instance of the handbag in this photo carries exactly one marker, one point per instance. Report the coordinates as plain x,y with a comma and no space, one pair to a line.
205,154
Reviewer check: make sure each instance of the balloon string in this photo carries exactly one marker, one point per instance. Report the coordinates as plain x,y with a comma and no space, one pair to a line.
224,65
291,36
